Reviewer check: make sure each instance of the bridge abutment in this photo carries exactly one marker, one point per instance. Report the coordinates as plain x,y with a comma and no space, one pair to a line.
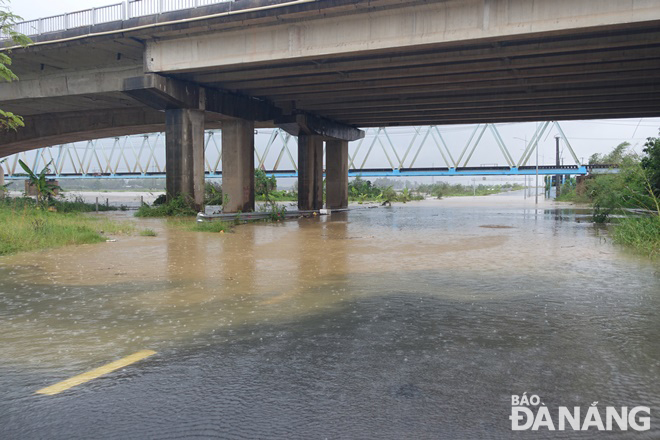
238,165
310,172
184,154
336,181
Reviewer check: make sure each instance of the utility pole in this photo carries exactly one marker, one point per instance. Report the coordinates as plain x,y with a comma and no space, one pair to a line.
536,185
557,176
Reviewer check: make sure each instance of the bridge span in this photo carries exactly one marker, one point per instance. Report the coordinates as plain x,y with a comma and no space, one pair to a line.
384,152
324,70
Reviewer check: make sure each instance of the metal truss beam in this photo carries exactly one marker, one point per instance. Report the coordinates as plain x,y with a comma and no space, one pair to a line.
376,154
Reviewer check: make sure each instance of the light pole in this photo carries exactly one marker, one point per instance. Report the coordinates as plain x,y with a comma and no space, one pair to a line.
524,147
536,185
557,176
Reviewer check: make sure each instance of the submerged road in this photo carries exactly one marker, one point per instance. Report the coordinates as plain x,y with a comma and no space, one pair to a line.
416,321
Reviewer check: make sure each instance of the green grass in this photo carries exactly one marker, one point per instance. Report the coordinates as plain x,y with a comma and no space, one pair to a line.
59,205
573,197
26,228
178,207
148,233
213,226
278,196
79,205
641,234
190,224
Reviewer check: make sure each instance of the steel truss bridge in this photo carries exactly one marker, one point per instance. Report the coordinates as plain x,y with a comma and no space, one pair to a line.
142,156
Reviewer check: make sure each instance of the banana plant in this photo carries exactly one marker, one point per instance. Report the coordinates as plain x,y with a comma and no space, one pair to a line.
45,189
3,186
405,195
387,196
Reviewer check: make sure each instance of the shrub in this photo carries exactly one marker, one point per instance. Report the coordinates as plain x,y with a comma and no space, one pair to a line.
180,206
639,233
212,193
263,184
651,163
276,212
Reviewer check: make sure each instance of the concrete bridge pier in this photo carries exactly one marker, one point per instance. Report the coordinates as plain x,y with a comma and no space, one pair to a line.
238,165
312,131
336,174
185,105
184,154
310,172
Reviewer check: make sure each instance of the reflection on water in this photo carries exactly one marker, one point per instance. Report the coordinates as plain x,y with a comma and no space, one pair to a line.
409,321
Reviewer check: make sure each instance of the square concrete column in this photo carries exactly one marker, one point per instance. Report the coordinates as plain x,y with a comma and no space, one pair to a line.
184,154
310,172
336,180
238,165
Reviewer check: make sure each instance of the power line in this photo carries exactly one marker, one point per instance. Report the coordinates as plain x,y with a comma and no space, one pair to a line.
640,121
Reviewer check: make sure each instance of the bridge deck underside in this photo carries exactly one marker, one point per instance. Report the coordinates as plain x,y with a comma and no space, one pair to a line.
75,84
595,73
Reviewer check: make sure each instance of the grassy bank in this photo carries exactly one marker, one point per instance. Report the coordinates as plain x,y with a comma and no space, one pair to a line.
635,185
639,233
363,190
25,227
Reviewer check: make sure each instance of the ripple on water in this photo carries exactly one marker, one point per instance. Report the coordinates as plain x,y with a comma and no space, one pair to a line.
419,321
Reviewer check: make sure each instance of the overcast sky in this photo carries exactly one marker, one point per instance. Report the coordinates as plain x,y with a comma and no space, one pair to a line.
586,137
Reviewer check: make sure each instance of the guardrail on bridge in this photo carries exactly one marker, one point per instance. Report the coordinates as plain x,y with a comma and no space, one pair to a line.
106,14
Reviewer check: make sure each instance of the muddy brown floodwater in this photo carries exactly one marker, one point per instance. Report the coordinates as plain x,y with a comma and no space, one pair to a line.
415,321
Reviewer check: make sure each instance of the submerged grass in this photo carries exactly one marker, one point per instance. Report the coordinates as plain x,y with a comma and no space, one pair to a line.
214,226
642,234
190,224
25,227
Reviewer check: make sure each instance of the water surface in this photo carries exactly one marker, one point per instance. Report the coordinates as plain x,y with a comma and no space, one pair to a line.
416,321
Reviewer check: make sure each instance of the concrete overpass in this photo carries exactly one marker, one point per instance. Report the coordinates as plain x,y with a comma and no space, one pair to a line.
319,69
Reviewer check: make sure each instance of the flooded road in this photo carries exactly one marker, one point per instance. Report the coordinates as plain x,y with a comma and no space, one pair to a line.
416,321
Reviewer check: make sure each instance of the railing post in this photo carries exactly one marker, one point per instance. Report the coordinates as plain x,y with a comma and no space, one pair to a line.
126,10
40,26
66,21
161,6
93,16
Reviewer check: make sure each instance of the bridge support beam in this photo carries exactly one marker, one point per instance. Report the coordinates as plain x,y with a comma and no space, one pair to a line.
184,154
238,165
336,181
311,124
310,172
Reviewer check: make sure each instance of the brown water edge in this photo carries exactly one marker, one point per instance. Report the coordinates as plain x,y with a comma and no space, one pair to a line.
74,307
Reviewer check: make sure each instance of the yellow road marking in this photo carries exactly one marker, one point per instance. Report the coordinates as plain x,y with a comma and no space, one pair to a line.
96,372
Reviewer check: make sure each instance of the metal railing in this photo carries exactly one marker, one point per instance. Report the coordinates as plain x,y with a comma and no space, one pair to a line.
106,14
